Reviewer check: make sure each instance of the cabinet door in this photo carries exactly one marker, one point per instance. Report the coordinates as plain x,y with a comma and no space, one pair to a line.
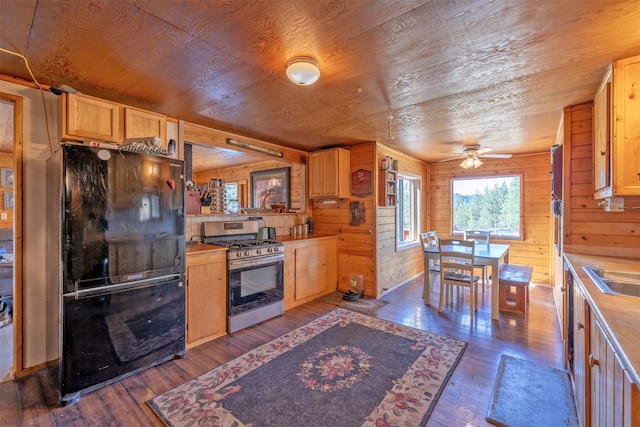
626,137
206,296
142,124
581,351
602,137
316,174
310,270
85,117
329,174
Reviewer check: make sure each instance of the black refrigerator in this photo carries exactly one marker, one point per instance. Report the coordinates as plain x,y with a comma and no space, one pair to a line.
121,246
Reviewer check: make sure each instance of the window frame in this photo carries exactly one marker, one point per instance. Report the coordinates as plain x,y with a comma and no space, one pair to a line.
416,220
493,235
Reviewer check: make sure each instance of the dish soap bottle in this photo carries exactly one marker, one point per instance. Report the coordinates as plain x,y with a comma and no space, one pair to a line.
310,225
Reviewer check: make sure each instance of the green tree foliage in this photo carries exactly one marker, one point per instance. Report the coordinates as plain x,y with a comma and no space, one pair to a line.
496,208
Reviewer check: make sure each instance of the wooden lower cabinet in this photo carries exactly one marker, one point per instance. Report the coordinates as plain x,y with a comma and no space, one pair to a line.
581,346
311,270
604,393
615,398
206,296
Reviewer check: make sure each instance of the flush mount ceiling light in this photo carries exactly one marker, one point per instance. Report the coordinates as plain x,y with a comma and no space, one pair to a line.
303,70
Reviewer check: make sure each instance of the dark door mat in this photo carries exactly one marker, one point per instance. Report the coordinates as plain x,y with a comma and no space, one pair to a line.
363,305
529,394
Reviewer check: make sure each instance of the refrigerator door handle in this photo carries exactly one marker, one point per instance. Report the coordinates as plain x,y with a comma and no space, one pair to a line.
122,287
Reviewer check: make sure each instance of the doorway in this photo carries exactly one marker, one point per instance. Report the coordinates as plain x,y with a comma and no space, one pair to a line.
10,235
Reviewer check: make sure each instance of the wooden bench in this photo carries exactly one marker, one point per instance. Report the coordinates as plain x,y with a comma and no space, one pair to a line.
514,287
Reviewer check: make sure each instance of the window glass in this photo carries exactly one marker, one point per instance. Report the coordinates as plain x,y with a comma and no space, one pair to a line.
491,204
408,209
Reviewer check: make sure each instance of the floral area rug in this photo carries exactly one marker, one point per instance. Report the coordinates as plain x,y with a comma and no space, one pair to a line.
342,369
363,305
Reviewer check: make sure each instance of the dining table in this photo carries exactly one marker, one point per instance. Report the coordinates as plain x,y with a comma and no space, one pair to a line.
491,254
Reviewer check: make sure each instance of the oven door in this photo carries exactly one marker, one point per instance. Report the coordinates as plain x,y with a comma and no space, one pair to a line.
255,283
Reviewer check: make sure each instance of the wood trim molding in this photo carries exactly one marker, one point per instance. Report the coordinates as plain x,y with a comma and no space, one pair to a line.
18,118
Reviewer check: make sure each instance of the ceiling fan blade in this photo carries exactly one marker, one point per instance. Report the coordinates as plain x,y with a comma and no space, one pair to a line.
483,150
496,156
451,158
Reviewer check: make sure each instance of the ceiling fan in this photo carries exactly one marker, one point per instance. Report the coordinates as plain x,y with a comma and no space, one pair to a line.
471,154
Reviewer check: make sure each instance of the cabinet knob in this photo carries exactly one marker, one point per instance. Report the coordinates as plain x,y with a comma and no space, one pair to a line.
580,325
602,153
563,289
593,362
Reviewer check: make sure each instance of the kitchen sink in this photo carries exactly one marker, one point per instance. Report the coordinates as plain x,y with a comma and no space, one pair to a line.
615,282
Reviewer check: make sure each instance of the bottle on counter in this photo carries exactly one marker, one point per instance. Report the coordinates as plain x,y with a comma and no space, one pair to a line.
310,225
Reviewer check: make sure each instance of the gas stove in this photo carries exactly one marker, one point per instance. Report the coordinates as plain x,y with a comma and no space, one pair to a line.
241,239
249,248
255,272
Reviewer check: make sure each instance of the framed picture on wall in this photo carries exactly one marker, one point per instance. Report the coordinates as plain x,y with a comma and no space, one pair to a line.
6,177
270,187
8,200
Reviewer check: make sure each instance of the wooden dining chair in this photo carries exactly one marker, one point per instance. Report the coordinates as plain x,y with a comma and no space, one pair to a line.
480,237
457,269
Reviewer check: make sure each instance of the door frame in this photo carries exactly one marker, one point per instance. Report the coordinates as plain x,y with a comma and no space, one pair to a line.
18,119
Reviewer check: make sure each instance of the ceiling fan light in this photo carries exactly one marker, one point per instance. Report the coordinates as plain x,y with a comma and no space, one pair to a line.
477,163
467,163
303,70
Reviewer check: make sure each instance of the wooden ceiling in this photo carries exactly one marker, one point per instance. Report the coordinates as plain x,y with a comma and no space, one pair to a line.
495,72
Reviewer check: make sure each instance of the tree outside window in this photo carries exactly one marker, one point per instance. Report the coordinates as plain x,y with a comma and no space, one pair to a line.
488,204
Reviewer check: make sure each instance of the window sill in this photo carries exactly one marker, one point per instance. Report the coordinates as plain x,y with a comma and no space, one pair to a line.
406,245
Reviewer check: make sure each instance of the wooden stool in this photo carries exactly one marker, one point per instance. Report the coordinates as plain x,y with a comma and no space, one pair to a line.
514,287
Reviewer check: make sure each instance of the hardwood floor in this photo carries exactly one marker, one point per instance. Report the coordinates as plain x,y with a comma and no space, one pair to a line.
33,400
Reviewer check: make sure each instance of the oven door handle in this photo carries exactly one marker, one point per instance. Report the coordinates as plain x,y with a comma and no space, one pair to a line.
238,264
122,287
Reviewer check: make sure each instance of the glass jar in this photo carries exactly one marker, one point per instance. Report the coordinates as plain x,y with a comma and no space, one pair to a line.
233,207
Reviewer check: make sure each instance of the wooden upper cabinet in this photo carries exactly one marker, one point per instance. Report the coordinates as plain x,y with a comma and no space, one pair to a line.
330,174
142,124
602,137
84,117
618,175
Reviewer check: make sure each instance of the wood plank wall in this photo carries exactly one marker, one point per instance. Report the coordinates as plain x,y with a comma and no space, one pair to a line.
534,248
588,229
356,247
395,267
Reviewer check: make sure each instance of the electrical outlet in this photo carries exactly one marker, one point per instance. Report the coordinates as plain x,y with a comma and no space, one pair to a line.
4,216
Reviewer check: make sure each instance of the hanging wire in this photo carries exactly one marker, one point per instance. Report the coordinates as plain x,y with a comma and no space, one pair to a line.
389,119
44,104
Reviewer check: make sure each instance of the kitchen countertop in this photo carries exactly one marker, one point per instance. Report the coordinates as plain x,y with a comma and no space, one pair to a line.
618,314
203,247
289,238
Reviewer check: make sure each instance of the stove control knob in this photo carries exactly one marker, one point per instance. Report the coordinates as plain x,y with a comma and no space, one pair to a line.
276,249
238,254
258,251
247,253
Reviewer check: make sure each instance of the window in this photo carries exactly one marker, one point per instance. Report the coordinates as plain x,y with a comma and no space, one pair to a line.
408,210
492,204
